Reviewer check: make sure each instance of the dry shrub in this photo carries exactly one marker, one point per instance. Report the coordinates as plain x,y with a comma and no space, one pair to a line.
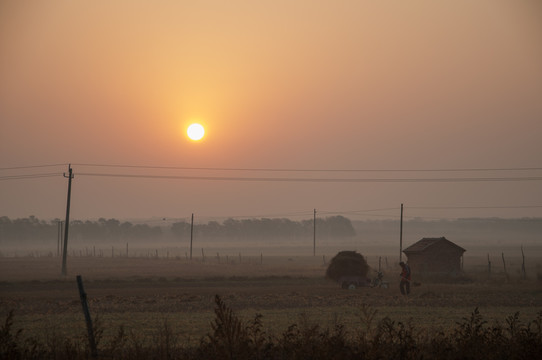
232,338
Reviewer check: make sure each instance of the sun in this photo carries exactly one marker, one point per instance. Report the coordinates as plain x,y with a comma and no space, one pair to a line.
195,132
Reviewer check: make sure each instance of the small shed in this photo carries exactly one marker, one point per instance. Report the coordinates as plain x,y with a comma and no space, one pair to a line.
434,256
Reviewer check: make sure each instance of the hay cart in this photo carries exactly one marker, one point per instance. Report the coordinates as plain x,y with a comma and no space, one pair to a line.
353,282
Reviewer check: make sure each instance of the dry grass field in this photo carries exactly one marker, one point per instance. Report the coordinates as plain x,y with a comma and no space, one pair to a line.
144,295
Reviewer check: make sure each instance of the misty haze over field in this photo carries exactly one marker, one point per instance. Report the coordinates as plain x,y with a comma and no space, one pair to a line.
272,236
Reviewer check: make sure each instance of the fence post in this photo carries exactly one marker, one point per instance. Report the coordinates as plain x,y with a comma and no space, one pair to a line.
88,320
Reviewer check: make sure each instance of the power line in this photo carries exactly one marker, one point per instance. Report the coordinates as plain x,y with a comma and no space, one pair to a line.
368,212
29,176
276,169
319,180
355,211
31,167
306,170
289,179
275,215
474,207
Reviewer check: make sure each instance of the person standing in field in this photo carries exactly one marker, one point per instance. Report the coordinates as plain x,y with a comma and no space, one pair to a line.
404,285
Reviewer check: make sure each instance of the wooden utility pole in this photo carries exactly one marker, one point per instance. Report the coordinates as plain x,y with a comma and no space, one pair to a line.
67,224
401,236
59,240
314,234
191,234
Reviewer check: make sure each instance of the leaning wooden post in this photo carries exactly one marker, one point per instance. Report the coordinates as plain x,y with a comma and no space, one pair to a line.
488,265
88,320
523,264
504,265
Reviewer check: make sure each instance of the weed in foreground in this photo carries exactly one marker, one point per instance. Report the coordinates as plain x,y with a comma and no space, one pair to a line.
233,338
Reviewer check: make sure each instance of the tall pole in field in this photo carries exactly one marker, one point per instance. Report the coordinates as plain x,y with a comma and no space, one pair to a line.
314,234
67,225
191,234
59,240
401,236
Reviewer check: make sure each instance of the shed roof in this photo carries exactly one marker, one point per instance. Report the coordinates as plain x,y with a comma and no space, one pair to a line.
426,243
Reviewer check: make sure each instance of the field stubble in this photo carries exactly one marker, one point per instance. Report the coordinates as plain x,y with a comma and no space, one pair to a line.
144,294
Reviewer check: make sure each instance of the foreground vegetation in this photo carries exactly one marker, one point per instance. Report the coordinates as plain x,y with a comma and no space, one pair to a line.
160,308
232,338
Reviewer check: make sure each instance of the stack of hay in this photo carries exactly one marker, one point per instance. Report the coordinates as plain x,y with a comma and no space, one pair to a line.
346,264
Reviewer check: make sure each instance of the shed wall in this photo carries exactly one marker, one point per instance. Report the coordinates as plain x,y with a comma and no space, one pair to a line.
437,259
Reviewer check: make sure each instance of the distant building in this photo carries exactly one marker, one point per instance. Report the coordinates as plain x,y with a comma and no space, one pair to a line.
434,257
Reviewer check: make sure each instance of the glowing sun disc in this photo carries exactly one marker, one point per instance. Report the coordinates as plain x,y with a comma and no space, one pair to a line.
195,132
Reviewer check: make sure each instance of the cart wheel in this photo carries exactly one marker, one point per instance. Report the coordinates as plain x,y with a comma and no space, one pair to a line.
352,286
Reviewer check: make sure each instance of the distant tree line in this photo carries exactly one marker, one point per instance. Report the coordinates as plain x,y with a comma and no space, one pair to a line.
113,230
261,229
33,229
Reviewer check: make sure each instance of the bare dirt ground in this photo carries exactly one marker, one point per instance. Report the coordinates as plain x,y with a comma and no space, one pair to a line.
144,293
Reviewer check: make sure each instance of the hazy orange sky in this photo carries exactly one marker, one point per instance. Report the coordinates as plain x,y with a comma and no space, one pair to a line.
359,85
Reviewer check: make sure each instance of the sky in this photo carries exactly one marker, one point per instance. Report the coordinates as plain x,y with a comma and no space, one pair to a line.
394,86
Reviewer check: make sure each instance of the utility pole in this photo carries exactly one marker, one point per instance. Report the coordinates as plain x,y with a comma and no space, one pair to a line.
191,234
314,234
401,237
59,240
67,225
